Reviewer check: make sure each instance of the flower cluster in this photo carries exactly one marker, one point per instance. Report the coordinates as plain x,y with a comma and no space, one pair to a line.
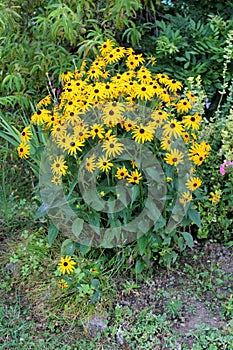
117,97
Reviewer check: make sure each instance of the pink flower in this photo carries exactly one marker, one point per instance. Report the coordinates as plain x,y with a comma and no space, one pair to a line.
224,165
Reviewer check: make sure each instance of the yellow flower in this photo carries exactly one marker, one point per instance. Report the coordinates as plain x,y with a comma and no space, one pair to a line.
172,128
144,91
133,61
174,157
73,145
26,134
112,147
90,164
66,265
186,198
56,180
104,164
63,284
215,197
173,85
134,177
106,47
44,102
193,183
58,167
23,150
122,173
192,121
143,133
183,106
97,130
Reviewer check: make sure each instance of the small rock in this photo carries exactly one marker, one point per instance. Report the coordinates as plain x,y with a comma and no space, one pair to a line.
96,325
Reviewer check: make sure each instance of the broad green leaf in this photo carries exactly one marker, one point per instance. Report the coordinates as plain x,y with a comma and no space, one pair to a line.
77,226
52,234
188,239
142,244
194,216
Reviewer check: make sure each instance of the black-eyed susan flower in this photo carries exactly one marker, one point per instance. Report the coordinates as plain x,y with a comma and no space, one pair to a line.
23,150
39,116
134,177
26,134
129,124
66,265
183,106
143,133
59,166
66,76
192,121
112,147
185,136
58,131
90,164
104,164
97,130
133,61
144,91
63,284
173,85
190,96
193,183
106,47
186,197
72,145
56,180
144,74
175,157
172,128
162,78
122,173
44,101
166,143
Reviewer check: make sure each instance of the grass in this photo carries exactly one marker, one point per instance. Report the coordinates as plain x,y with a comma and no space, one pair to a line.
154,313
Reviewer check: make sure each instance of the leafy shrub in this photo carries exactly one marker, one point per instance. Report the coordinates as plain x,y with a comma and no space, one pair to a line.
106,126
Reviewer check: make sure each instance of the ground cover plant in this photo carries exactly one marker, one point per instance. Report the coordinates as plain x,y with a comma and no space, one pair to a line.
82,286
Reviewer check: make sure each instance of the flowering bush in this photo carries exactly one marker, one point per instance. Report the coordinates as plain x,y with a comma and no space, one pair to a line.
122,153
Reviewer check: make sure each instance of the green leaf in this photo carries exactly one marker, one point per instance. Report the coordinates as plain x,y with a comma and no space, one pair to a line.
77,226
142,244
139,266
194,216
84,249
41,211
188,239
68,247
52,234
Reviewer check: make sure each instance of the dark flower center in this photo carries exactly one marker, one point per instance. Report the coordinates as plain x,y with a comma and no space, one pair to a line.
141,131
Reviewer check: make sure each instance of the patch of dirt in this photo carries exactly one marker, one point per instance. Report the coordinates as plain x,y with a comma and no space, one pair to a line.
188,293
